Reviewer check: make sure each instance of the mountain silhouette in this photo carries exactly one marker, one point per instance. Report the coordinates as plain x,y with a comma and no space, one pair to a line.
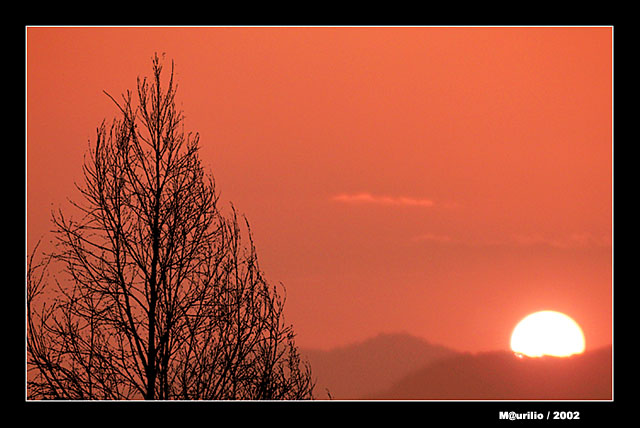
356,370
503,376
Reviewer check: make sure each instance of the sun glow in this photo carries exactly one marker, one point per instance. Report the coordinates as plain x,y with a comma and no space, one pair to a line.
547,333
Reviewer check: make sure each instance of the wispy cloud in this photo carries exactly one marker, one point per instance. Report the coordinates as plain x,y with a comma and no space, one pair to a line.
434,238
571,241
368,198
575,240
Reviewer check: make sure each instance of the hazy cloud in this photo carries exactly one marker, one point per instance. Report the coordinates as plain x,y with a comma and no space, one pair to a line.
368,198
575,240
434,238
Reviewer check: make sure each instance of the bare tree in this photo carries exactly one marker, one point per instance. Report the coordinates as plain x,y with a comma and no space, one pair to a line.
160,298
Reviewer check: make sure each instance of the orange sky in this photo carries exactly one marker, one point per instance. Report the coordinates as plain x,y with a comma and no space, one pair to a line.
445,182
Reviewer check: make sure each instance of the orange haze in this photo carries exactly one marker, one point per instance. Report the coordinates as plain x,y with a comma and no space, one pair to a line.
444,182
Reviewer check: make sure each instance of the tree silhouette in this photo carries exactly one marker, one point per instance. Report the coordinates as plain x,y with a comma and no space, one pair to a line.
160,296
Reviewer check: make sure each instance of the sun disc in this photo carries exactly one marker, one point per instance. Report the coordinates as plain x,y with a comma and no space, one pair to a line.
547,333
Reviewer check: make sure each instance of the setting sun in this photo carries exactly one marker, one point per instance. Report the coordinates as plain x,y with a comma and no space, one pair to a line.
547,333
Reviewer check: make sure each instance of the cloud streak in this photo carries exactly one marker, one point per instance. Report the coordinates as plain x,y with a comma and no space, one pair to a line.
445,239
368,198
575,240
572,241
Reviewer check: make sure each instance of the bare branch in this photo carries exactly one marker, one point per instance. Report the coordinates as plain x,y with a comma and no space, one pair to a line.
161,295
